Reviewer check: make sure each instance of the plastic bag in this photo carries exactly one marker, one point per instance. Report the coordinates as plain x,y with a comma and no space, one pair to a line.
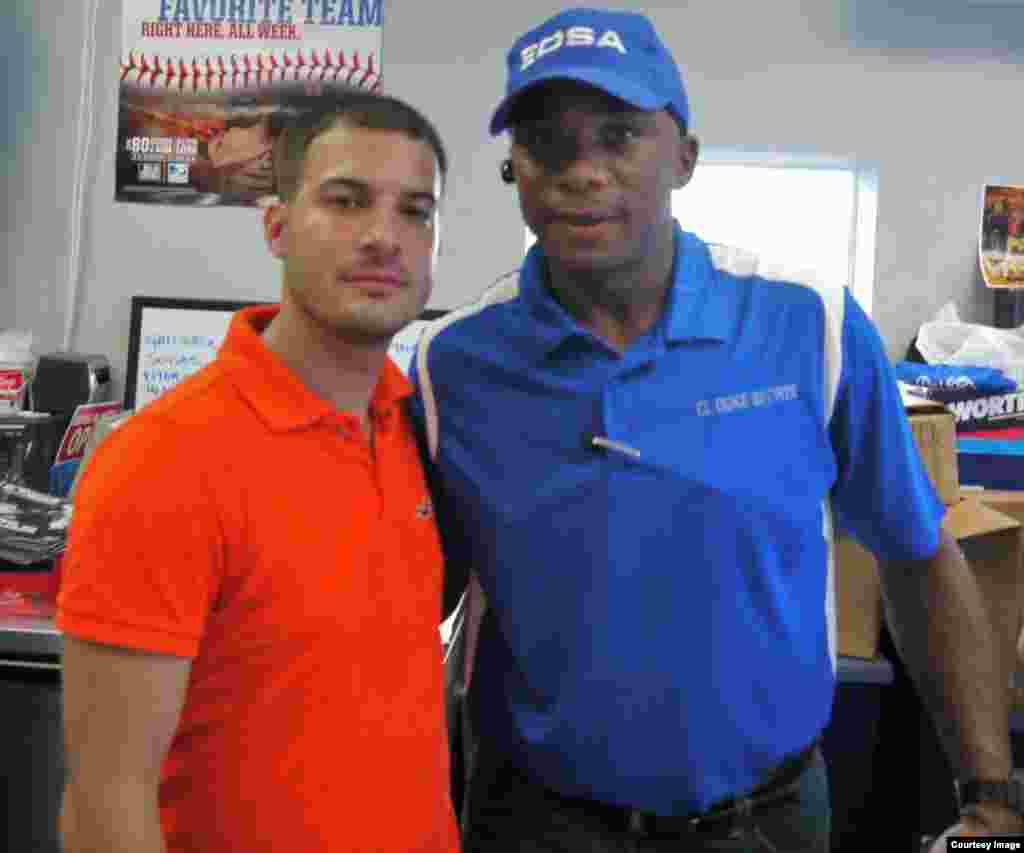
16,346
948,340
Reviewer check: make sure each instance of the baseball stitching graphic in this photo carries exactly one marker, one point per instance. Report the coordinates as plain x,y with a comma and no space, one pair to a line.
248,71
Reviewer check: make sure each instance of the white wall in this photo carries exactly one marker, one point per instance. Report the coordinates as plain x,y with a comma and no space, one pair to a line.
40,113
932,97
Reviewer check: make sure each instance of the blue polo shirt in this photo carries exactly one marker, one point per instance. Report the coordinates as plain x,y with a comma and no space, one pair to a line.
660,628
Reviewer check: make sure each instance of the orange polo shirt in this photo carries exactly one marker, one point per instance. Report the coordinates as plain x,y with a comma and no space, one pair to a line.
245,523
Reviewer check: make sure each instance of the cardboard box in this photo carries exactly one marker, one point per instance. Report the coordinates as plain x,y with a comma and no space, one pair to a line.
1009,503
934,430
858,600
935,435
991,541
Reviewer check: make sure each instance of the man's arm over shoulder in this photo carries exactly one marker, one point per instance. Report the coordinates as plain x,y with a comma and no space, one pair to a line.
121,708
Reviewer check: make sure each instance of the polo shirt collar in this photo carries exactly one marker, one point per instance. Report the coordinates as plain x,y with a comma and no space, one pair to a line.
552,324
697,309
277,395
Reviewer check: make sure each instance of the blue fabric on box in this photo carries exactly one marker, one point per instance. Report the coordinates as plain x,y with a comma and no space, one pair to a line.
954,381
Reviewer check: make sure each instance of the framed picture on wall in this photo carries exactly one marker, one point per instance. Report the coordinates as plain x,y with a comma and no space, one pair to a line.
171,338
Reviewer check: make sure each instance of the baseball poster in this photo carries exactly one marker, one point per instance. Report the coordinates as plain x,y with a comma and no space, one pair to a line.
1001,244
204,87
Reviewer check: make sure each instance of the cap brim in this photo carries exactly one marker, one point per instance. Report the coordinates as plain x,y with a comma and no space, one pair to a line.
606,81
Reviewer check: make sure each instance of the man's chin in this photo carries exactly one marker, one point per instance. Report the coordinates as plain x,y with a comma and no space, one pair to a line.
369,330
583,259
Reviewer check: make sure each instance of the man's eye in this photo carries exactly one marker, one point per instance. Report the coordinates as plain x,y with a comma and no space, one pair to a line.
420,214
534,137
617,135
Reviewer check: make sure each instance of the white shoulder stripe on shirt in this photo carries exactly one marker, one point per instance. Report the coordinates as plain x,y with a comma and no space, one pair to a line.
468,613
504,289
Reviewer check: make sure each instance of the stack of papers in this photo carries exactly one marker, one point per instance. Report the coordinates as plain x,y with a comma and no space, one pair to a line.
33,524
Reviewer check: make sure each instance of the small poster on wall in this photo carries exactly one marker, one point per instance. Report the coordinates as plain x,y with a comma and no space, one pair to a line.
205,85
1001,245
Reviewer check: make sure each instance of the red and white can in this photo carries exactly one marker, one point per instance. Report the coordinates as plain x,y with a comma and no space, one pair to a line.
14,382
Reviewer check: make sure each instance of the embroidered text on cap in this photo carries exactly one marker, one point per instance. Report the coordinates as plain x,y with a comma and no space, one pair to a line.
572,37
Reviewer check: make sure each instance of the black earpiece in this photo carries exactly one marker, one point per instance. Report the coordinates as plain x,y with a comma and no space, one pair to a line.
508,173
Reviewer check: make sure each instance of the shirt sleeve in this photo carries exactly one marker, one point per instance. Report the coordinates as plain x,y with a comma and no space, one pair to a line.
145,547
883,496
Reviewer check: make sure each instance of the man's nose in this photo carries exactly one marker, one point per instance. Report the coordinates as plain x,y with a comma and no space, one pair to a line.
585,166
381,232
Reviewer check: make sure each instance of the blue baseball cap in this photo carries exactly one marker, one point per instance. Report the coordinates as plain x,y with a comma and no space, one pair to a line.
617,52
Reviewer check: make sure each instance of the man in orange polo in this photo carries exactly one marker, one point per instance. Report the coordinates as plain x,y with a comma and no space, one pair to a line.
252,584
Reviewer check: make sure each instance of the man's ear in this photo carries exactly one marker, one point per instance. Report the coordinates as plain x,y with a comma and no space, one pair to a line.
689,150
274,222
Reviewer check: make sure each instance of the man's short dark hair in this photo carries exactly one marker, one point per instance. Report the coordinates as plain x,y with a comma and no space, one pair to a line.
303,122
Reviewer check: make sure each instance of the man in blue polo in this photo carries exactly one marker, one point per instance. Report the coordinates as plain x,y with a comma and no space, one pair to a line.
643,446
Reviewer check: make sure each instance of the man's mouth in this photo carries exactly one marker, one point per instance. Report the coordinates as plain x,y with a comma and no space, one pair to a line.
583,219
373,279
584,225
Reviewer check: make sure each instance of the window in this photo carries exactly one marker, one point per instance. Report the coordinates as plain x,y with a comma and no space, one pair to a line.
798,210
